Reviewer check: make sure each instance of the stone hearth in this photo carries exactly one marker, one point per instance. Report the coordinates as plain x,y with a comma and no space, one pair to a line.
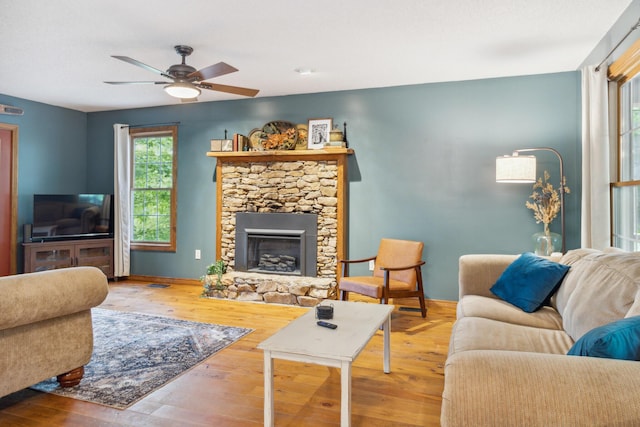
297,181
275,289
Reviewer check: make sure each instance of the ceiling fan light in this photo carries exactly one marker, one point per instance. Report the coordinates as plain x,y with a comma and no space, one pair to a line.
182,90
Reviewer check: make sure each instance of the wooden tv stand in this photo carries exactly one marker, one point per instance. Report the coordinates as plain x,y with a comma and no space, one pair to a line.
41,256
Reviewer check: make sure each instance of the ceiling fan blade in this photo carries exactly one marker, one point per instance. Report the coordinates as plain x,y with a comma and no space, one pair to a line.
229,89
215,70
138,83
140,64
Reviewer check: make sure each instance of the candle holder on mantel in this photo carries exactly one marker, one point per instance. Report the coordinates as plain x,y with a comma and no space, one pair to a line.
336,138
344,135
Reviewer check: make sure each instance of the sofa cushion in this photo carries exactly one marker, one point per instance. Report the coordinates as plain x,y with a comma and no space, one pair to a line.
615,340
476,333
572,278
606,291
529,281
497,309
507,389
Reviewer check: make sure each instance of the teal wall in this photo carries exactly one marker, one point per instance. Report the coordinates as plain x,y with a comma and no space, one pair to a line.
52,153
424,165
423,169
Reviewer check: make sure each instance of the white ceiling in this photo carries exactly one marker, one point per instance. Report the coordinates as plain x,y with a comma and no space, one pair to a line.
59,52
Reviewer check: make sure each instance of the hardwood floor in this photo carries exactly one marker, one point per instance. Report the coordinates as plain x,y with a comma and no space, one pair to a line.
227,388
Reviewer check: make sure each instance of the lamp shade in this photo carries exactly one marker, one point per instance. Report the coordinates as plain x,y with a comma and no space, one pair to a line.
516,169
182,90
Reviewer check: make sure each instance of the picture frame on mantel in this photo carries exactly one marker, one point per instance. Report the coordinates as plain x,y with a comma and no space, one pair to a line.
318,134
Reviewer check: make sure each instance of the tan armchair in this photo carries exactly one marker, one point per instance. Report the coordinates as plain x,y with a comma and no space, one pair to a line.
397,273
46,328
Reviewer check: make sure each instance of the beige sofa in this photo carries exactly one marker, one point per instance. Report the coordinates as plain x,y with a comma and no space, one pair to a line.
507,367
45,325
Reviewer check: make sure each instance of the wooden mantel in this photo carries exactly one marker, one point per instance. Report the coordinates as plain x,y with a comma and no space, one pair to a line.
339,155
281,156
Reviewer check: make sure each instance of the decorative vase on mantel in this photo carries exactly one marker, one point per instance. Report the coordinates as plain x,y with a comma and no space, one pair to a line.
545,243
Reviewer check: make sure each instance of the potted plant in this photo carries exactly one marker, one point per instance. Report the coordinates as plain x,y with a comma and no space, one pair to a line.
215,270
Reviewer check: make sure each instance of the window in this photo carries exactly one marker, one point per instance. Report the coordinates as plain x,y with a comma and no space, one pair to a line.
625,191
153,188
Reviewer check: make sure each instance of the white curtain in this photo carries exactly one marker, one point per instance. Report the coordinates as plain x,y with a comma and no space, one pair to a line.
595,159
122,205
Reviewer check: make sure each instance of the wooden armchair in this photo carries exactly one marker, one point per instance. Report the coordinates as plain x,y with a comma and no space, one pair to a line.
397,273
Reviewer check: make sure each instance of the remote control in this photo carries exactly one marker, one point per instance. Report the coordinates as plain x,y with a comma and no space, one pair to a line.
327,324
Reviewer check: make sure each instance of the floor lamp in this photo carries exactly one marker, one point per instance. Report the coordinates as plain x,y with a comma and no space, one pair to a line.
522,169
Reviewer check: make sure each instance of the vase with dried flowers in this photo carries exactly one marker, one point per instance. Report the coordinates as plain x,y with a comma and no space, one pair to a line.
545,204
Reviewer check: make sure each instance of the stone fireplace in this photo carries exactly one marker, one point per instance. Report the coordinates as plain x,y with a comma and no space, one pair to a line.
275,264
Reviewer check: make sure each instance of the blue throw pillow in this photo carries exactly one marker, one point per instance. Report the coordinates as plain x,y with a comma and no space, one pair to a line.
616,340
529,281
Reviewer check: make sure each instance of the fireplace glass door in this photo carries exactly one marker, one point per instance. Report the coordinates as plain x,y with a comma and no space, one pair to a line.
274,253
276,243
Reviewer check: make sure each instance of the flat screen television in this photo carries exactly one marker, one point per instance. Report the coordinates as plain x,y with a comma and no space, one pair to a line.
72,216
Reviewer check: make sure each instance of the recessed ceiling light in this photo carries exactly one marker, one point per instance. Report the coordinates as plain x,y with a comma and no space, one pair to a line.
304,71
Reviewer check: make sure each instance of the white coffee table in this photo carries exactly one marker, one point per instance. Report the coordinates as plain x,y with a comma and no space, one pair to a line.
304,341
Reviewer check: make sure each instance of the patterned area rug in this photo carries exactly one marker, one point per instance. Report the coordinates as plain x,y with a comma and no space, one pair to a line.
134,354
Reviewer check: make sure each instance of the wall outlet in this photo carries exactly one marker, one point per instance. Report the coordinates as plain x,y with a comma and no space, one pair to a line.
198,254
372,265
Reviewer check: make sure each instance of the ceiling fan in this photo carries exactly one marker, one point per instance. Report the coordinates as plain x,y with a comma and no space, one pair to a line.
186,80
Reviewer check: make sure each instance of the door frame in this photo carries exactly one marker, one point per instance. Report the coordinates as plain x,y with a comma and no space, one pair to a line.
14,196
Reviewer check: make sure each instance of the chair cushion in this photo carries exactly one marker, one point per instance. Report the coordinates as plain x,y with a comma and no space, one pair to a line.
615,340
370,286
529,281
